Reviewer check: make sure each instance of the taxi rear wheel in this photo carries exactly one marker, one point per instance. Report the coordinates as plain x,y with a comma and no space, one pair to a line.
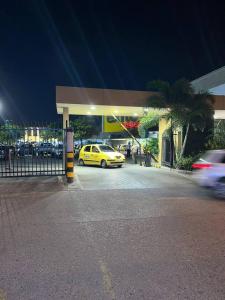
103,164
119,166
81,162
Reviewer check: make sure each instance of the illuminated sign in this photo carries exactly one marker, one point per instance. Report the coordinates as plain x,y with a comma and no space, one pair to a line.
131,124
110,124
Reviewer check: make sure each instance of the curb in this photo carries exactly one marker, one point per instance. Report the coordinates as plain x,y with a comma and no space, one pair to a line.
178,171
183,173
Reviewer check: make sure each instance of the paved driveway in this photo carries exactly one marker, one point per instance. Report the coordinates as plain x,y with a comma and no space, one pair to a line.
153,235
128,177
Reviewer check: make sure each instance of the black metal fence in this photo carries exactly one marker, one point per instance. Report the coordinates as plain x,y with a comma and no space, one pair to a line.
31,151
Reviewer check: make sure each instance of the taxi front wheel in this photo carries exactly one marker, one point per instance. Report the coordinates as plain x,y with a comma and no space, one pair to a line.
103,164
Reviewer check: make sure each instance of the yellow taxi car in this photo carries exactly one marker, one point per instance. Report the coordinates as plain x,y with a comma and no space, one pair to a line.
100,155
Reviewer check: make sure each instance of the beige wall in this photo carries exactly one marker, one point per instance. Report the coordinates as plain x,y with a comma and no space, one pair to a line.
163,125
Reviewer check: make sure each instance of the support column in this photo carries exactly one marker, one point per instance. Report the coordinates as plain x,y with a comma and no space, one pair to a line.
66,119
171,144
162,127
69,155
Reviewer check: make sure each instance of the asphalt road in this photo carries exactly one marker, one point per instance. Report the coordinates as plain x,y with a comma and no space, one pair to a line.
149,234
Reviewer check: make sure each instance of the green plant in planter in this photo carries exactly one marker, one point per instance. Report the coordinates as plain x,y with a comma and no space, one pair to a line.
152,146
186,162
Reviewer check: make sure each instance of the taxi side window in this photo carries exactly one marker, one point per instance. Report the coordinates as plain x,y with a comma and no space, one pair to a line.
87,149
95,149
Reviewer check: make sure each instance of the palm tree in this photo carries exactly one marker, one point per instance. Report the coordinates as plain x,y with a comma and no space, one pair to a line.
217,139
185,108
149,121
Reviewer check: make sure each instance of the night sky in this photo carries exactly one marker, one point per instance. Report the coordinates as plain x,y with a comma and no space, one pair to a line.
103,44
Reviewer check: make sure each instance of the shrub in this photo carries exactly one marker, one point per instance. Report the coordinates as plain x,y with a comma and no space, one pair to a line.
152,145
185,163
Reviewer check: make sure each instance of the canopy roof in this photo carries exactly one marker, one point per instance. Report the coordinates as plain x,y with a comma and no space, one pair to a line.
84,101
106,102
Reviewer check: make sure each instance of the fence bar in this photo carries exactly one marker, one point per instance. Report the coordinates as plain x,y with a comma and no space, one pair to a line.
31,150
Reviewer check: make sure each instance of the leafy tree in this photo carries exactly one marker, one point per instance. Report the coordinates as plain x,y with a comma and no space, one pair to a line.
149,121
10,133
217,139
84,127
51,132
184,107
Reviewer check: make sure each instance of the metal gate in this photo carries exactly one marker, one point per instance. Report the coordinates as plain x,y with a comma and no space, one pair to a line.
31,151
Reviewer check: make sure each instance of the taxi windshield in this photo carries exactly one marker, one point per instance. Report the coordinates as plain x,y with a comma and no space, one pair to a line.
105,148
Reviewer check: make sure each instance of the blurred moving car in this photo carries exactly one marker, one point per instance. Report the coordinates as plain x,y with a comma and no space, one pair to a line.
102,155
210,171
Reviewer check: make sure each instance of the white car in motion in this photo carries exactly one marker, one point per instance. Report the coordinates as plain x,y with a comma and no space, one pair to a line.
209,171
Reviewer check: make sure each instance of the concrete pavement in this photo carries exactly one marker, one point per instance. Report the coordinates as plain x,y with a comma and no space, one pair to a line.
128,177
160,239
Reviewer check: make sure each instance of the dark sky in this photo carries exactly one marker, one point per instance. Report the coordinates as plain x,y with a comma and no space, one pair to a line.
112,44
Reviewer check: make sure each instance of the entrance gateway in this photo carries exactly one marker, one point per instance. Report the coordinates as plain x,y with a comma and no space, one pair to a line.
40,150
102,102
109,102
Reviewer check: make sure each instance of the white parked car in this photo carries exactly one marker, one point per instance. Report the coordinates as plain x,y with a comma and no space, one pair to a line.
209,171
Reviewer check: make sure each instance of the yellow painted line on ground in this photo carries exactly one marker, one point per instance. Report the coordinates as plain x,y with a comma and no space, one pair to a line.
2,295
107,280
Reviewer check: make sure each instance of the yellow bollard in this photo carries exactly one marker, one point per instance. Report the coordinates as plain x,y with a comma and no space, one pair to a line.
69,167
69,155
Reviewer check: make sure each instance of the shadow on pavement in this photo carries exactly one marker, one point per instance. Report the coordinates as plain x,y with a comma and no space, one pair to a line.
31,185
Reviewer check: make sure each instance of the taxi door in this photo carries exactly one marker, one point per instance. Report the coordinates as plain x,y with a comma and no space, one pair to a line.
95,155
87,155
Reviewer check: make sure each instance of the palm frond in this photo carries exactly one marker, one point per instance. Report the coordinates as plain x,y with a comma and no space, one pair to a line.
181,91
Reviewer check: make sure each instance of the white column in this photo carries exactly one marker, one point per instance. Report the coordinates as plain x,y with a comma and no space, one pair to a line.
65,122
65,117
